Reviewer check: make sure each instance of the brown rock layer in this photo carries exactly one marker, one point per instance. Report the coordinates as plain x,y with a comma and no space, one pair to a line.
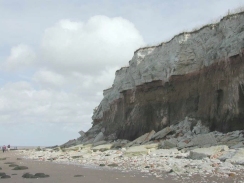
213,94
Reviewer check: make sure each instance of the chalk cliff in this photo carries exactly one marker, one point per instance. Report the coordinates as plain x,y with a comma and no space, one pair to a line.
197,74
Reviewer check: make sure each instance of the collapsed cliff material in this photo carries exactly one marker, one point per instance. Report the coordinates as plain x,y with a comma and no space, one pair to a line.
197,74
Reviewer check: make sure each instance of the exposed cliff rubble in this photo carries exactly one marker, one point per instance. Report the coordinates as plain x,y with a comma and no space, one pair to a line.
197,74
182,161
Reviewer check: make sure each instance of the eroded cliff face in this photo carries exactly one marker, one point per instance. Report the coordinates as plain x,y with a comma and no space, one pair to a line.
198,74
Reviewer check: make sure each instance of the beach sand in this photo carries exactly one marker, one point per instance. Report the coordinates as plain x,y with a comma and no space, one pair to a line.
64,173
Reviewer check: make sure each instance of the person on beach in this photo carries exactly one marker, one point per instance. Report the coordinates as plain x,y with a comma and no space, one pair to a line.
4,148
8,148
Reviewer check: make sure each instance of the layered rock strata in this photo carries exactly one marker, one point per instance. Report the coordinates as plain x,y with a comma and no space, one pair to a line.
198,74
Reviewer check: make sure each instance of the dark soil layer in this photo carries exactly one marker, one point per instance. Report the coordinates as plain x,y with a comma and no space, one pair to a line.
214,95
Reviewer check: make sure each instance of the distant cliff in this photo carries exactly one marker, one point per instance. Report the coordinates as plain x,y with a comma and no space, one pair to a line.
197,74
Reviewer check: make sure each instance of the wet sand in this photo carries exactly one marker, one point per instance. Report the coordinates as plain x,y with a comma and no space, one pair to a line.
64,173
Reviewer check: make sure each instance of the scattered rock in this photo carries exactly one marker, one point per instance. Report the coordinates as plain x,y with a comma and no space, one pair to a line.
165,152
37,175
201,153
113,165
204,139
144,138
120,144
2,173
238,157
28,176
185,144
200,129
41,175
20,168
79,176
5,177
136,150
102,147
168,144
161,134
238,145
227,155
232,174
75,157
189,160
13,165
99,143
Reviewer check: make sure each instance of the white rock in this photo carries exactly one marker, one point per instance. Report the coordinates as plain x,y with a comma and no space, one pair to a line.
201,153
227,155
166,152
238,157
105,146
136,150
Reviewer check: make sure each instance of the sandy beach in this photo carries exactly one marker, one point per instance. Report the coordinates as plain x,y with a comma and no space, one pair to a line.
63,173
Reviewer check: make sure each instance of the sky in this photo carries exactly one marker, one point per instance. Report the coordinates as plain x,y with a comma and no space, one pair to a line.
57,57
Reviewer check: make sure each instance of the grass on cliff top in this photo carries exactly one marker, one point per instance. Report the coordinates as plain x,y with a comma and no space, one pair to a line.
214,22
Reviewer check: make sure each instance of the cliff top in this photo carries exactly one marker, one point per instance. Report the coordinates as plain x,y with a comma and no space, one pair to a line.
194,31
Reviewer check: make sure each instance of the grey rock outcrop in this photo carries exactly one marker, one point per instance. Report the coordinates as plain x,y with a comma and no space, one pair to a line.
199,74
205,139
171,143
82,133
142,139
99,137
162,133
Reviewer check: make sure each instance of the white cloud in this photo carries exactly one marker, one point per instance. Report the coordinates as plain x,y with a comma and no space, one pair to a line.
90,47
21,103
106,78
21,56
76,61
50,79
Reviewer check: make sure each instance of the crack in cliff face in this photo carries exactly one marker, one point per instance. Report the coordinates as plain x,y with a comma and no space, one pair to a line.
196,74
